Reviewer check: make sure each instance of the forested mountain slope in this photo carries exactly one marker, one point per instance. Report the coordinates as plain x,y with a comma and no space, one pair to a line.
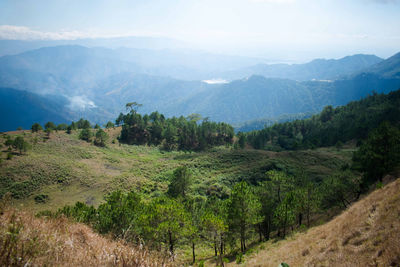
333,125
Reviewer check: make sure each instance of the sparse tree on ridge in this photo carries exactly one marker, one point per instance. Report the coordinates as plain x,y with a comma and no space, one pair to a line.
36,127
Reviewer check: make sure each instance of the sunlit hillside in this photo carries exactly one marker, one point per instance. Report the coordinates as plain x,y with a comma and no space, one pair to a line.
366,234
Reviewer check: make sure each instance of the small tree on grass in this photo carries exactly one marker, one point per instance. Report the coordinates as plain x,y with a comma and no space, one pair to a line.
20,144
284,214
69,129
50,125
243,211
242,140
62,127
166,221
180,182
9,142
110,125
36,127
74,126
86,134
100,138
48,132
215,229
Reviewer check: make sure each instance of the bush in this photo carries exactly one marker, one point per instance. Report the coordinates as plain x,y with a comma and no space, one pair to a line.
86,135
101,138
239,258
36,127
42,198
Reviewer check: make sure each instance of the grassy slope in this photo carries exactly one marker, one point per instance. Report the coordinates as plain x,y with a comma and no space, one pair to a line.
367,234
30,241
70,170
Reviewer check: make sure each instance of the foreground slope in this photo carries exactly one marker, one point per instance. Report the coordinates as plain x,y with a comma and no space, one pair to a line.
29,241
367,234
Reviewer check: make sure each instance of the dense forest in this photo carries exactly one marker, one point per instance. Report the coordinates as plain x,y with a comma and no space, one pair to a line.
173,133
333,126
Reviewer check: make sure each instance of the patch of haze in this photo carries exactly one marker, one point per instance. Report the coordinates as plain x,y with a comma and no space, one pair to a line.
215,81
80,103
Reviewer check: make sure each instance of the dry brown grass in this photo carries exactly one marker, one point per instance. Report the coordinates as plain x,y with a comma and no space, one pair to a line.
29,241
367,234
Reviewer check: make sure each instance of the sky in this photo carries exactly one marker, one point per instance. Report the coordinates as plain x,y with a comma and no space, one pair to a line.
275,29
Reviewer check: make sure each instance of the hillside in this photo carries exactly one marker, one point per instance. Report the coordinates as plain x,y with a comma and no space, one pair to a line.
24,107
388,68
28,240
342,124
189,189
366,234
68,169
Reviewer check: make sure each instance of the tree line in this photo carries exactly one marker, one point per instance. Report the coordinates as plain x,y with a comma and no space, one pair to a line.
182,133
173,133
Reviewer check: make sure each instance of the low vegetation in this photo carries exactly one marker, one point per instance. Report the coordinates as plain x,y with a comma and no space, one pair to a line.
29,241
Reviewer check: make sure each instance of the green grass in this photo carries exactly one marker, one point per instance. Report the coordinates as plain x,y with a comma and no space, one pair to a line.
69,170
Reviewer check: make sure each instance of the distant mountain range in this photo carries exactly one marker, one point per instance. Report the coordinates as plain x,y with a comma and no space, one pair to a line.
318,69
96,83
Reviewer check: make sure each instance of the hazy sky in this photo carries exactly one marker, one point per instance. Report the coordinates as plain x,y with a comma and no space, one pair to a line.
275,29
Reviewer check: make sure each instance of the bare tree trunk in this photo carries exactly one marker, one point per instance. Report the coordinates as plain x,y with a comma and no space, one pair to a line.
300,218
171,243
193,252
215,246
221,251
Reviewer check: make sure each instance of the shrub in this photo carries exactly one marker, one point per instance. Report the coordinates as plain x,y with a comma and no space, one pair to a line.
36,127
239,258
86,135
42,198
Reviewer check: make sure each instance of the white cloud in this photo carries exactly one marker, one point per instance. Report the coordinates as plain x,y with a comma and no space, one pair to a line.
274,1
11,32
